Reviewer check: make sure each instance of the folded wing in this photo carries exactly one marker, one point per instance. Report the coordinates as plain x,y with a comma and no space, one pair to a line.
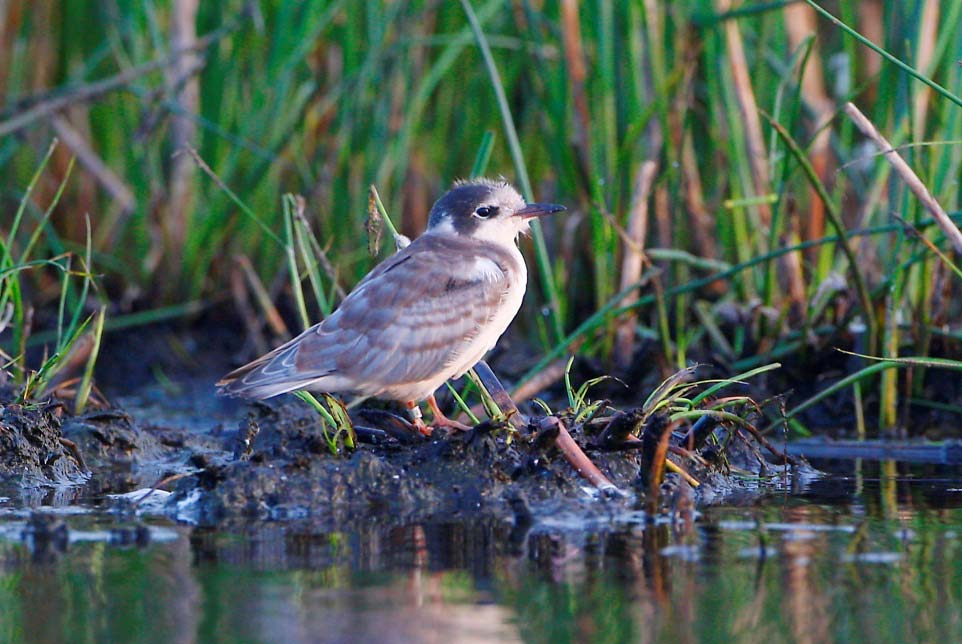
412,316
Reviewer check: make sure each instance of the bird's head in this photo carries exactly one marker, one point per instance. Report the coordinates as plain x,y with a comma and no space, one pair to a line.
485,209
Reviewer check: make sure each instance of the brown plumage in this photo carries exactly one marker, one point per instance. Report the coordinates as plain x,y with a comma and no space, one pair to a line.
366,345
421,317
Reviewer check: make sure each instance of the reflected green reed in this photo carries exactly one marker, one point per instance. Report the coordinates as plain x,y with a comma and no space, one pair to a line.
873,560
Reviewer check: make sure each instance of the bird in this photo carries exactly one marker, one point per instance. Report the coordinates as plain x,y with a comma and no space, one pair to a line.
421,317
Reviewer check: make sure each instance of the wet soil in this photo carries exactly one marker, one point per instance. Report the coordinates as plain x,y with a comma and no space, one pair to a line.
214,459
274,464
32,446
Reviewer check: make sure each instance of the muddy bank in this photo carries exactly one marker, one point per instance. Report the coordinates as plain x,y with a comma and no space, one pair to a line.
33,448
274,464
282,470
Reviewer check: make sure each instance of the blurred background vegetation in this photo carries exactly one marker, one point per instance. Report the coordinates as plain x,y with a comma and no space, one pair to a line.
716,189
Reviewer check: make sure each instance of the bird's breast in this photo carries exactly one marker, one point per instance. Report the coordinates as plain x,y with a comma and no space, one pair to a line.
510,265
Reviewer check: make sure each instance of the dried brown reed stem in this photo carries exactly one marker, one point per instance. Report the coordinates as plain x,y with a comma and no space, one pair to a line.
911,179
656,467
418,189
263,298
801,23
42,46
663,221
11,15
577,73
184,86
113,185
702,227
634,259
74,450
564,442
682,472
748,107
45,107
670,464
242,302
792,275
701,223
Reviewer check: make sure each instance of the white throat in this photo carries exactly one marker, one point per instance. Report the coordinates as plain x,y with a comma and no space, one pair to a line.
503,232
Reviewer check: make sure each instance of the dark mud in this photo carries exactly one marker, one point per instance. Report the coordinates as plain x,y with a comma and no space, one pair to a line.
32,446
275,465
214,460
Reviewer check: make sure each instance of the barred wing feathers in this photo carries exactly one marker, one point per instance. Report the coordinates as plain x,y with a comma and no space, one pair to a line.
412,317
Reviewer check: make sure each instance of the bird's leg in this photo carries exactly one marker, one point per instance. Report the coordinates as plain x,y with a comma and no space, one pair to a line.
415,413
440,420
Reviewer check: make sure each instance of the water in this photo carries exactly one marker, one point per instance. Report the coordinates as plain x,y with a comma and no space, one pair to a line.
871,554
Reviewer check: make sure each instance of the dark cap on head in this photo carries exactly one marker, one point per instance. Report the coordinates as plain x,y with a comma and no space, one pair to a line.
461,200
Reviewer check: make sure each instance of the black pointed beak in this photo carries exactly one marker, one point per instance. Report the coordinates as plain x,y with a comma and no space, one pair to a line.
538,209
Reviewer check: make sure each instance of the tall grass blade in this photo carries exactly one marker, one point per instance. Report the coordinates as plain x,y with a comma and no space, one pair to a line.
514,145
86,381
484,155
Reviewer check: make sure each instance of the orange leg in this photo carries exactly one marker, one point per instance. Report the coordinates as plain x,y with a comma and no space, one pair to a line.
440,420
415,413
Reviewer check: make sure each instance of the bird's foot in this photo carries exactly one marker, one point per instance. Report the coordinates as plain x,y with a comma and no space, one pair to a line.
442,421
422,428
416,420
447,423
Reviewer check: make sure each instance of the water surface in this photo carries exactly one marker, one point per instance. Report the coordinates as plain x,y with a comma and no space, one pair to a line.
870,554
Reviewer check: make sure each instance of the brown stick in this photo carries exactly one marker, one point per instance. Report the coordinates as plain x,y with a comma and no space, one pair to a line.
925,53
74,450
655,458
911,179
576,456
871,24
242,302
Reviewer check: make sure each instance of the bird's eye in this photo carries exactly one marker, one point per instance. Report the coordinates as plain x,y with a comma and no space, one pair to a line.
486,211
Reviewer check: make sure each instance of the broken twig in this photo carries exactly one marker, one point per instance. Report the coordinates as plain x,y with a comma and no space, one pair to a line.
908,176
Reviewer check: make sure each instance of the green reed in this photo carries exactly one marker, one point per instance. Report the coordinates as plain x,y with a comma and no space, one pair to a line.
324,98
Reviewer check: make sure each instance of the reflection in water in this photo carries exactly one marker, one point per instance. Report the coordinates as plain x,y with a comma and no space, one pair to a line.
885,565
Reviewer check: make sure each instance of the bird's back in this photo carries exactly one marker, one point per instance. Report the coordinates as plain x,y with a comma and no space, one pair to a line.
416,320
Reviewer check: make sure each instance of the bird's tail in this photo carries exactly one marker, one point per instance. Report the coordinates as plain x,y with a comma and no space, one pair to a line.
270,375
